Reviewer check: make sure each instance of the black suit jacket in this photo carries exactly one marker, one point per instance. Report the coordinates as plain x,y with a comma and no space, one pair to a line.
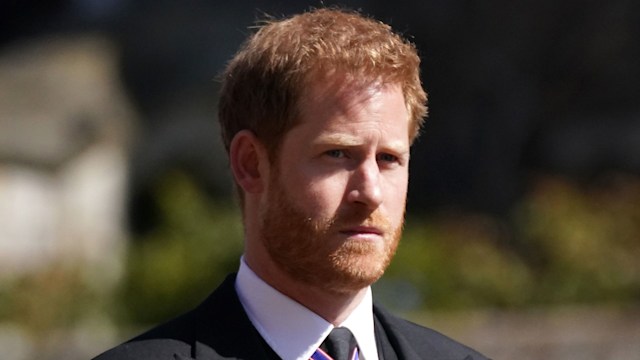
219,329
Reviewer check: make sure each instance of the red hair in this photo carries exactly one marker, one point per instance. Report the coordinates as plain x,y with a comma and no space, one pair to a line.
263,83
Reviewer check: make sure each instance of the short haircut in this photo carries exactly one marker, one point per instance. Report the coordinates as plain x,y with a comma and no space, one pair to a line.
263,83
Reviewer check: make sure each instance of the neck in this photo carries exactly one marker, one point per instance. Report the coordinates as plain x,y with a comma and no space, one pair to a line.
332,306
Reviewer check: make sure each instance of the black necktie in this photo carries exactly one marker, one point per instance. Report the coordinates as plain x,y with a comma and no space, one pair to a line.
340,344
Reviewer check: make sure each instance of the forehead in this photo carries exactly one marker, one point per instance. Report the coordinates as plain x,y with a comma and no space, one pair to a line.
328,97
337,85
352,111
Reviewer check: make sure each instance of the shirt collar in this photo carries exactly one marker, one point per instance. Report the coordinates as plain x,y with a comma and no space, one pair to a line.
292,330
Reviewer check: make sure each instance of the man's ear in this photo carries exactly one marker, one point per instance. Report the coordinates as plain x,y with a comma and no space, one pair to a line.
249,161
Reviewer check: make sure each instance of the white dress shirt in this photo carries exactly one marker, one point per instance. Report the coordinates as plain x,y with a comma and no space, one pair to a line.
293,331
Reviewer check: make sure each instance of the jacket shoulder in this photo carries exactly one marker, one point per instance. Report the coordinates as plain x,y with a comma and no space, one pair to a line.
423,340
148,349
202,329
171,340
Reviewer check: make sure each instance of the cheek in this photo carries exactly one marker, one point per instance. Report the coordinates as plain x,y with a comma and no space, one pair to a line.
313,193
325,196
395,194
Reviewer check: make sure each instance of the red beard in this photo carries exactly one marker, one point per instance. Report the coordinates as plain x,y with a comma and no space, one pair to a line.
313,251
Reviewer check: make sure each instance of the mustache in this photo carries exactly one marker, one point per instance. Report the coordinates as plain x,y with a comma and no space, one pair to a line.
347,219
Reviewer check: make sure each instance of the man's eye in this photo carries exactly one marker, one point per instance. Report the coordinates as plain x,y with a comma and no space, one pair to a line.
388,158
336,153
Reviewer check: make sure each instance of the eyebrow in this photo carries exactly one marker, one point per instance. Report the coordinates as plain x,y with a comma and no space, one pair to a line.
341,139
351,141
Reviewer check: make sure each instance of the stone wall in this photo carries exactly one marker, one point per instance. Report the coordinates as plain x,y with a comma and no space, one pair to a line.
65,125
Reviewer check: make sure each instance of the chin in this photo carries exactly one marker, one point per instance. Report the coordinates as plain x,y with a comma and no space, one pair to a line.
355,273
350,284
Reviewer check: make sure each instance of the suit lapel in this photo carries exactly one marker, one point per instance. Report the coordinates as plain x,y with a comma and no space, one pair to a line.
385,349
223,325
387,336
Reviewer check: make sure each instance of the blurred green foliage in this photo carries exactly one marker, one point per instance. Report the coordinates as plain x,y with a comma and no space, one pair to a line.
589,237
565,243
177,265
57,296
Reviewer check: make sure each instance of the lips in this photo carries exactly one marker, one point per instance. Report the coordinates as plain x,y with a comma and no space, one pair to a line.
363,231
366,226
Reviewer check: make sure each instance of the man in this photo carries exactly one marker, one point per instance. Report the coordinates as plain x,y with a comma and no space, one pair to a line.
318,113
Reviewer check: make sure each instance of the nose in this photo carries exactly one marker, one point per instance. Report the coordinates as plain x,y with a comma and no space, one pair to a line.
365,185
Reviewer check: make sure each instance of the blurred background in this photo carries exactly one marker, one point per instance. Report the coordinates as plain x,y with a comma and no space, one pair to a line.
523,226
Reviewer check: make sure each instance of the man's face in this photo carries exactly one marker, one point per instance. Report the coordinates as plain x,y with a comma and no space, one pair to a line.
336,196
